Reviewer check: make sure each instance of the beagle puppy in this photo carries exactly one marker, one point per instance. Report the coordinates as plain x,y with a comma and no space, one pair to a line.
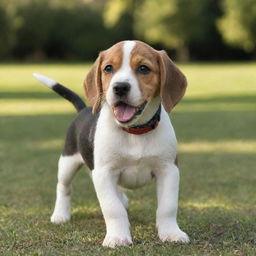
126,139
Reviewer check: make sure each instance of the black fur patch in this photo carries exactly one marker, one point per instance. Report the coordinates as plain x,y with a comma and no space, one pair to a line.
70,96
80,136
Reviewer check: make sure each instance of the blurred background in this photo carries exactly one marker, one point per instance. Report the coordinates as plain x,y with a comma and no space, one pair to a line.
213,42
213,30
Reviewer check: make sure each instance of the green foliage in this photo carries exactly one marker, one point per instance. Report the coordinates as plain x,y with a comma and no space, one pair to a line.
215,125
174,24
238,25
59,32
79,29
56,29
114,10
178,23
7,36
33,32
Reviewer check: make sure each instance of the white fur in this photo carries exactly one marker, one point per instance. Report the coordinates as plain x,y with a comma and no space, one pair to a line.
67,168
45,80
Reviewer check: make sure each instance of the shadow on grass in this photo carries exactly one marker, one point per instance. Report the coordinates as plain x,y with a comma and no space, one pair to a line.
214,126
210,99
189,126
34,127
221,99
28,95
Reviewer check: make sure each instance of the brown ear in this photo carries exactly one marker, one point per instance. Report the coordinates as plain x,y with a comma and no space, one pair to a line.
93,86
173,82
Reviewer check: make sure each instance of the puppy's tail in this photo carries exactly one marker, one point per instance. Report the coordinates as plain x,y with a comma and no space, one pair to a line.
77,102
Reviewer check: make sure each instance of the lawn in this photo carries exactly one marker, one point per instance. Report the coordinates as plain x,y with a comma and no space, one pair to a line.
216,130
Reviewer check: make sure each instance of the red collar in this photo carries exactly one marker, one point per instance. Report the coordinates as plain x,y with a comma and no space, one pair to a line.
147,127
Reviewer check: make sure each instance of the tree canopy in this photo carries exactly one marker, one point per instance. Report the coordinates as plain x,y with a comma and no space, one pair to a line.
79,29
238,25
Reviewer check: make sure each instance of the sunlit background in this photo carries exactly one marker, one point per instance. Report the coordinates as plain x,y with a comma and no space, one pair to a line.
212,41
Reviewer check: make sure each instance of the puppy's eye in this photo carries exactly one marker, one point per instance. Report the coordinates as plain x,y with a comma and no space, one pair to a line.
143,69
108,69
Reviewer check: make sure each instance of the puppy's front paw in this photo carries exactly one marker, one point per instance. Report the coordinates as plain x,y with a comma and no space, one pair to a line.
177,236
60,217
115,240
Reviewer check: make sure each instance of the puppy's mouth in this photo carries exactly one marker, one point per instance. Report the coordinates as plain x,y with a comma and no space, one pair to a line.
124,113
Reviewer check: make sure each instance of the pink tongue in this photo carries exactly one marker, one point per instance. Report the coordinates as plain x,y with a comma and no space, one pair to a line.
124,113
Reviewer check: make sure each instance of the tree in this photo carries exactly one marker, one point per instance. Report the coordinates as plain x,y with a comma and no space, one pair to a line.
119,15
7,30
172,23
178,23
238,25
59,29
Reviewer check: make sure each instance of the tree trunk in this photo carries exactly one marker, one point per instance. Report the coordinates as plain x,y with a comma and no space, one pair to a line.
182,53
254,54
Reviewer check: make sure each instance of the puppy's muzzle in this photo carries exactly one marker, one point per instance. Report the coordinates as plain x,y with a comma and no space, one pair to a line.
121,89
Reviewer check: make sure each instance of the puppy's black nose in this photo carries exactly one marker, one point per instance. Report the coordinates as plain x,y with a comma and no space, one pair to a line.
121,89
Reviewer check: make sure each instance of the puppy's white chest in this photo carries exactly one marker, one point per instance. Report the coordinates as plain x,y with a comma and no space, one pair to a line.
135,175
134,158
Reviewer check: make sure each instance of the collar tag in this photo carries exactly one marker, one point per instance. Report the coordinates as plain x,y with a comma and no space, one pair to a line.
147,127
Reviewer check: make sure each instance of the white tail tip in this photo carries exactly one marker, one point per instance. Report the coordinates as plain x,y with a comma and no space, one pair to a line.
45,80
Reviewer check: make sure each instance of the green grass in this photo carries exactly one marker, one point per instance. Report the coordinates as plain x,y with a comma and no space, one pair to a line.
216,129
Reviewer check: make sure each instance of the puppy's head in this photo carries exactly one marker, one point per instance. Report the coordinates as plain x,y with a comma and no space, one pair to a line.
129,75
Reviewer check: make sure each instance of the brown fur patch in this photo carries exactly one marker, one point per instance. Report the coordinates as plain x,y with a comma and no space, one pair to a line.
97,81
93,86
113,56
143,54
173,82
164,79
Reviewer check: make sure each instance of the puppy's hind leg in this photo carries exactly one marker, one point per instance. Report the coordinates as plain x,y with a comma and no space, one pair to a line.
67,168
123,197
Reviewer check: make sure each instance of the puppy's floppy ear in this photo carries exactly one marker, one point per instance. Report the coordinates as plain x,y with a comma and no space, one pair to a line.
173,82
93,85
